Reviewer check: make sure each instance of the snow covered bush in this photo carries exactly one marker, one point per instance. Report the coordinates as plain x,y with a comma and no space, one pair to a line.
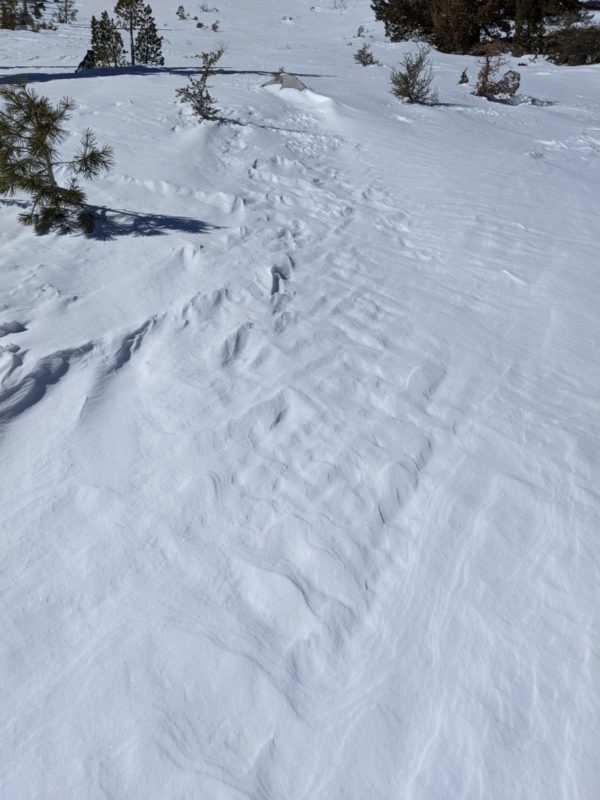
412,81
197,94
31,130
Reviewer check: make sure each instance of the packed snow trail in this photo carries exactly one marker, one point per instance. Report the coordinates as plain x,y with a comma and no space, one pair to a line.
300,454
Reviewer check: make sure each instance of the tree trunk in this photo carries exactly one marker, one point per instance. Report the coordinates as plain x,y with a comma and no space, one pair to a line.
131,41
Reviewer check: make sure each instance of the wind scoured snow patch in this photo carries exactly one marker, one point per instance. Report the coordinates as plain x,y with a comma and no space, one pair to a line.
16,396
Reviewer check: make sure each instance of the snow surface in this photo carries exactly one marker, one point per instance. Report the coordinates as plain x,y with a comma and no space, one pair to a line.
300,473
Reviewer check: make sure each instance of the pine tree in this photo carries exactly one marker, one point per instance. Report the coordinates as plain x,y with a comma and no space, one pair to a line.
130,15
197,94
24,18
8,14
17,14
566,10
529,26
404,18
106,42
148,44
67,13
31,130
455,25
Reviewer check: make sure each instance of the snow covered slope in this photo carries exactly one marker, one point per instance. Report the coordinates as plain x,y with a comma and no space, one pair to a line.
299,455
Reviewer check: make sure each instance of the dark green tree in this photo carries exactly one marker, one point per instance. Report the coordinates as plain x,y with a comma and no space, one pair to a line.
567,11
106,42
148,44
404,19
495,18
66,13
574,45
17,14
455,25
31,131
130,14
529,26
24,17
8,14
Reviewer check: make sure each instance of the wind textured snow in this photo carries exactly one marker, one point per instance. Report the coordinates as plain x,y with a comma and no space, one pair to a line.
300,451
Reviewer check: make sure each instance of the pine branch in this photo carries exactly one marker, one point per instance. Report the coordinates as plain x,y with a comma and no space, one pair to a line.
90,160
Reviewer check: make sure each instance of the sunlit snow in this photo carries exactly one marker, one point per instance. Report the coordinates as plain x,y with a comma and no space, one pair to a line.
300,473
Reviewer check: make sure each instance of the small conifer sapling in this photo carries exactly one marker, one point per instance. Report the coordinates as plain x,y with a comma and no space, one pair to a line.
196,93
364,56
412,81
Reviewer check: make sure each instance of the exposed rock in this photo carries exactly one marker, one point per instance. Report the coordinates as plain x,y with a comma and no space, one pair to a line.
286,81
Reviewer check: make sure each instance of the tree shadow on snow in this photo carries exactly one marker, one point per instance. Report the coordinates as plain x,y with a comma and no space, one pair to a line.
43,77
9,202
113,222
267,72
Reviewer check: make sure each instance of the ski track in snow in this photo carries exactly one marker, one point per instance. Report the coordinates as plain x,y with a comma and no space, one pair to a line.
302,494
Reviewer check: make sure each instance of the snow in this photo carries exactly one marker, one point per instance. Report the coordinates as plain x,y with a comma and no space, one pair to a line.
300,452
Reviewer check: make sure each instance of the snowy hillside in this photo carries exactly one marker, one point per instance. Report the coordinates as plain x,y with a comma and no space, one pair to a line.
300,453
